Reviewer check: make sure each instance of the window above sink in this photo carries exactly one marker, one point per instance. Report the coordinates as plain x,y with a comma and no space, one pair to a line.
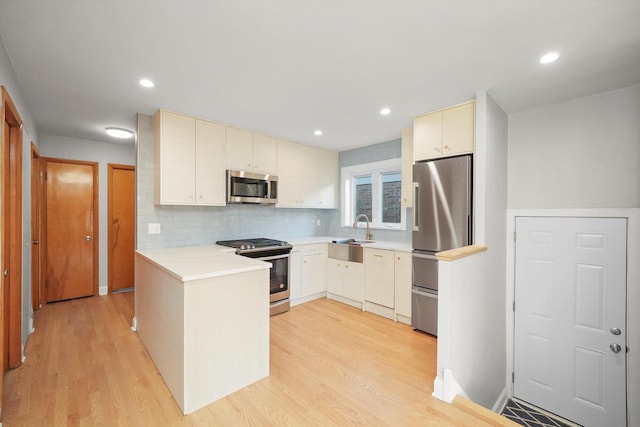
373,189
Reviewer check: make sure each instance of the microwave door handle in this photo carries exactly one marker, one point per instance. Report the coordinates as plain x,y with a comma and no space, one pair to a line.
416,206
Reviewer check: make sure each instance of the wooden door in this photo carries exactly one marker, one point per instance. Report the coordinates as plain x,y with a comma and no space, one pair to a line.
570,312
121,226
71,229
36,223
10,237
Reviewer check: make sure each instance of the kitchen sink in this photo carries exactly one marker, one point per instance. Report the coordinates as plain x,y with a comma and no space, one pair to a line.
347,249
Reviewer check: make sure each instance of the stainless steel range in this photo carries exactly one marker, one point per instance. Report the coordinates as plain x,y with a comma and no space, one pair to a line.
277,252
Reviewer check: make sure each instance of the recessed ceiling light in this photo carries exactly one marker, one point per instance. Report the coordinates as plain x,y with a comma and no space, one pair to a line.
317,132
548,58
119,133
385,111
146,83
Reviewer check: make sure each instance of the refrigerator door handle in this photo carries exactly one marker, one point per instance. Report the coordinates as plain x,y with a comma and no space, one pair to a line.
425,256
416,206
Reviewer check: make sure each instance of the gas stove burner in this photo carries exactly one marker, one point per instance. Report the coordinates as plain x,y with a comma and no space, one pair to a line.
244,246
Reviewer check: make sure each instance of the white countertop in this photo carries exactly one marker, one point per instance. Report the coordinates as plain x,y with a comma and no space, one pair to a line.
201,262
393,246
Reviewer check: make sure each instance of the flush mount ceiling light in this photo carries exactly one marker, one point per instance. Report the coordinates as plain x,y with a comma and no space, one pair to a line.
317,132
146,83
385,111
548,58
119,133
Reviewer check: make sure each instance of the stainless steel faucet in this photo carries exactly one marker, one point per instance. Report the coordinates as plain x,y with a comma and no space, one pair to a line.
355,225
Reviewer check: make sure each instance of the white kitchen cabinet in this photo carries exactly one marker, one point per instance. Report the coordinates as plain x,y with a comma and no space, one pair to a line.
444,133
379,276
345,279
188,165
403,286
250,151
406,186
307,176
312,283
295,269
210,163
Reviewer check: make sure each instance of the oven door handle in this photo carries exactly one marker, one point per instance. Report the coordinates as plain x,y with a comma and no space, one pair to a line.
269,258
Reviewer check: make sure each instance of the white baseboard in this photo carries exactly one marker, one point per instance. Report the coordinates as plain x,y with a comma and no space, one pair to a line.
502,400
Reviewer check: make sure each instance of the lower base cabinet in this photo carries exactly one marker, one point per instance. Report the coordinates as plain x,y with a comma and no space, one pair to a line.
307,279
403,286
346,279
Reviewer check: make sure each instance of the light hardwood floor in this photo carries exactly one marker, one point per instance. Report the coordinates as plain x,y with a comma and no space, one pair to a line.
330,365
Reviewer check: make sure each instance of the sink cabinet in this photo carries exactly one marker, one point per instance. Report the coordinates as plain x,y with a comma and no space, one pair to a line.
444,133
345,280
188,160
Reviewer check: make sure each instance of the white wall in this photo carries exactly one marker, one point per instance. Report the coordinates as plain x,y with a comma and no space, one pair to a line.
581,158
579,154
471,318
9,80
104,153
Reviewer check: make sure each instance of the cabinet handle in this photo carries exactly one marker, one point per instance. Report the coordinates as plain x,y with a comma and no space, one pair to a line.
378,255
346,266
446,147
436,149
398,258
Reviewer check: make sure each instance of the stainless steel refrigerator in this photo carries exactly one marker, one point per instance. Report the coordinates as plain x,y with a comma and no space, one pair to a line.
441,221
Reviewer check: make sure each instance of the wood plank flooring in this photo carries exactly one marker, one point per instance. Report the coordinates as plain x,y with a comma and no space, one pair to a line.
330,365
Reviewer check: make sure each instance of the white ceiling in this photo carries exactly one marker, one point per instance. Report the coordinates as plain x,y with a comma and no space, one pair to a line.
287,68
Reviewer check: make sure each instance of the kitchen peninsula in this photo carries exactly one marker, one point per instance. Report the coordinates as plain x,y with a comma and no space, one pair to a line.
203,315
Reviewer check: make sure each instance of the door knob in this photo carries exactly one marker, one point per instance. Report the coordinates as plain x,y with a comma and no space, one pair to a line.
87,238
615,331
615,347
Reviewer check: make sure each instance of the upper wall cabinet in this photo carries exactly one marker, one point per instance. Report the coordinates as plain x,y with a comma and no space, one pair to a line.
307,176
250,151
444,133
406,186
188,160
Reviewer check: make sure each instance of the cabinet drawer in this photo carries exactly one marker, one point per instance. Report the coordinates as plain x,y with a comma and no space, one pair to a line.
316,248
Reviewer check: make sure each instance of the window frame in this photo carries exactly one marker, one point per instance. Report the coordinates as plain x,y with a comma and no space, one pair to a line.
347,184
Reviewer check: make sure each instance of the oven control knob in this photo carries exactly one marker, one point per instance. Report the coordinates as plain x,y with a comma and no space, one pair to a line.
242,247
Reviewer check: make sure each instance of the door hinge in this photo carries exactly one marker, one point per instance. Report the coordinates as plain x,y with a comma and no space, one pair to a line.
513,377
514,236
514,306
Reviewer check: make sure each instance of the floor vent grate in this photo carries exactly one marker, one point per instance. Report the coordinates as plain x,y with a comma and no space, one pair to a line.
530,416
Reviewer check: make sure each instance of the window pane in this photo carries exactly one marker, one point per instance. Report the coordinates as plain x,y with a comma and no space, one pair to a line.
391,197
363,195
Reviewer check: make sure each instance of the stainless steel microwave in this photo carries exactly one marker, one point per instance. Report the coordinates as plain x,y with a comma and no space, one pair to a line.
251,187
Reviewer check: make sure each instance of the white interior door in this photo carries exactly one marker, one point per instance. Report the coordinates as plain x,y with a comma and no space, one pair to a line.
570,312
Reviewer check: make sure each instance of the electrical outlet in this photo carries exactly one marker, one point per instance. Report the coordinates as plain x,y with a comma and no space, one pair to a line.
154,228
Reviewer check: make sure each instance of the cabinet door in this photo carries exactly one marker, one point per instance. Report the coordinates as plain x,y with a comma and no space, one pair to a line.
175,158
264,154
379,276
353,281
458,129
289,164
326,174
406,189
334,276
239,145
210,163
314,274
295,272
427,136
403,283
